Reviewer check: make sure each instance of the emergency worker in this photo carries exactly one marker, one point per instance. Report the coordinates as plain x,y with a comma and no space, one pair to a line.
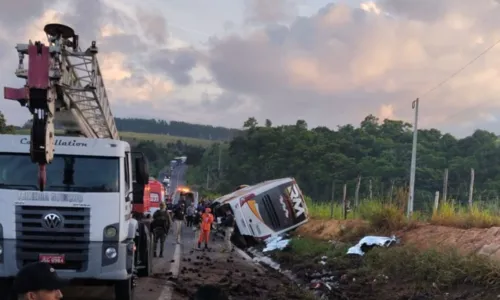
179,217
228,226
206,224
160,227
38,281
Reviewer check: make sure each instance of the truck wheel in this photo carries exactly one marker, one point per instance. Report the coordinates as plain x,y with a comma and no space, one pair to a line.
146,255
124,289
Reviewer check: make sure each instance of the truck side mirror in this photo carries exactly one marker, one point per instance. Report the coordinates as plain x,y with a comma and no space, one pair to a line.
141,170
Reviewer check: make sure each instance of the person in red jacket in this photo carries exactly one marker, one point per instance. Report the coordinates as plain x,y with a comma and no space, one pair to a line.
206,224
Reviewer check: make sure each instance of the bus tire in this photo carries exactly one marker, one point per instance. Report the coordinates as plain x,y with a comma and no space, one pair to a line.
124,289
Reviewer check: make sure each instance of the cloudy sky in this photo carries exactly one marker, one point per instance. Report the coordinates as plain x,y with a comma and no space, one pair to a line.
221,61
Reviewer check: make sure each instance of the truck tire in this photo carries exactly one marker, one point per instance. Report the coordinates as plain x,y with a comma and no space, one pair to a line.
145,251
124,289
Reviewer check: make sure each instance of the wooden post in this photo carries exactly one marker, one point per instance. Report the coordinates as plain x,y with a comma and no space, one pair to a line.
356,192
436,202
344,202
471,188
332,205
445,185
370,189
392,191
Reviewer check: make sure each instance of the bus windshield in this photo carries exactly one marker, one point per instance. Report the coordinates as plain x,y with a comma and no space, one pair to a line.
65,173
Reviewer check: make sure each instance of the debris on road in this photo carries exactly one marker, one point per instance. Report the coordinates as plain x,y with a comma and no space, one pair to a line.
277,242
369,242
239,278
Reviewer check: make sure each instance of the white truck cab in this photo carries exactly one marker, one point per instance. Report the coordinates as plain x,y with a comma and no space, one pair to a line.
81,223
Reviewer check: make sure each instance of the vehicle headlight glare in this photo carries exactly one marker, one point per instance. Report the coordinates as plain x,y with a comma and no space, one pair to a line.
110,232
111,253
1,250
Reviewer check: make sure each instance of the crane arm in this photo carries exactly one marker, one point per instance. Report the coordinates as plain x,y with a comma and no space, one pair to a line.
64,83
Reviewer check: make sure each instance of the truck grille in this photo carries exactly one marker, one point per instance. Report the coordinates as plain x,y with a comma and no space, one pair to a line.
35,236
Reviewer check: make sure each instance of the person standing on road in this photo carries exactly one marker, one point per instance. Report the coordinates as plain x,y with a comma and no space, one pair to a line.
228,226
37,281
196,227
206,225
179,217
190,215
160,227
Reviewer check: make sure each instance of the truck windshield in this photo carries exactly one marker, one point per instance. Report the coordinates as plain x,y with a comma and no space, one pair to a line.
65,173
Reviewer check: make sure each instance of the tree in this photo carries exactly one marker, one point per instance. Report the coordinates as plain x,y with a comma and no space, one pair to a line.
379,151
4,128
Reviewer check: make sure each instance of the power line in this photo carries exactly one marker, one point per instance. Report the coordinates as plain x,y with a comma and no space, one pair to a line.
440,84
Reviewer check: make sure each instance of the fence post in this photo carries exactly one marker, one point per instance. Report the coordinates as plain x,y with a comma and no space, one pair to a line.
344,202
471,188
445,185
332,205
436,202
356,192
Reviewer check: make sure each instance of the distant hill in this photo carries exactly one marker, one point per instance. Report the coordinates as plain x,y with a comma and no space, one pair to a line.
163,131
175,128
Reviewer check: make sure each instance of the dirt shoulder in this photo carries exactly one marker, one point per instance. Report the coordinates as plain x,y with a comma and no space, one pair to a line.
485,241
432,262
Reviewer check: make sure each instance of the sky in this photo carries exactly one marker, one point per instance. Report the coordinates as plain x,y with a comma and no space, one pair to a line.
329,63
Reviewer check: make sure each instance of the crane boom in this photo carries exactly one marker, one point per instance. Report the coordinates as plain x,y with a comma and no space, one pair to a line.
62,82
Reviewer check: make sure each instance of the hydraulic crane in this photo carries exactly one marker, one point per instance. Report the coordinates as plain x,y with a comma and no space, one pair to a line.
73,91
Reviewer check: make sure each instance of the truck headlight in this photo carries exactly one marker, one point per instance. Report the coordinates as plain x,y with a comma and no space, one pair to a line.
110,232
111,253
1,250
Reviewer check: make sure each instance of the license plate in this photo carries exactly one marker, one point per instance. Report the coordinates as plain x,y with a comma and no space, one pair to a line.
52,258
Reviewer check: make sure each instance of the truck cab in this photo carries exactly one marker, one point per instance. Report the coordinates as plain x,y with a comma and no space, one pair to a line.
82,222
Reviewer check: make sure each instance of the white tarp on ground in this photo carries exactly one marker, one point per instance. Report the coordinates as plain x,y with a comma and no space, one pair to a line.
275,243
371,241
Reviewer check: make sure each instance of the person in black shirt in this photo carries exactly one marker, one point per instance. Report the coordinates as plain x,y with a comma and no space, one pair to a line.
38,281
228,225
160,227
179,218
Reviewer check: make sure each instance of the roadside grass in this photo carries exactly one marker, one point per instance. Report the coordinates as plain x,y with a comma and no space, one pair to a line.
428,269
389,216
157,138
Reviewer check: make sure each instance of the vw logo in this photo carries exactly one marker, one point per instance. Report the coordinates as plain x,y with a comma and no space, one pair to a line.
52,221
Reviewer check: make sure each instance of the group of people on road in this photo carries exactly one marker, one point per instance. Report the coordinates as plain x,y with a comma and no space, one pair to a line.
199,219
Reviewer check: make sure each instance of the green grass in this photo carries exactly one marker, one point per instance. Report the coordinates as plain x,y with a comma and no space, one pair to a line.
385,216
157,138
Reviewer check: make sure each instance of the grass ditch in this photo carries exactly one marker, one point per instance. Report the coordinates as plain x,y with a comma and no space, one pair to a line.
398,272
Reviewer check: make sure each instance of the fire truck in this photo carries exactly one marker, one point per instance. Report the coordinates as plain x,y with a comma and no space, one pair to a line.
68,200
156,194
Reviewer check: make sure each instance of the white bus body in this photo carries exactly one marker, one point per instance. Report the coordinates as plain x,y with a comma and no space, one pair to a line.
266,209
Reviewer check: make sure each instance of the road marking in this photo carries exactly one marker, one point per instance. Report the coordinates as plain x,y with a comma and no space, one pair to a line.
168,290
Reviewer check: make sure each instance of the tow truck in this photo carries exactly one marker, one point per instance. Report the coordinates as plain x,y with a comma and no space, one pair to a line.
75,210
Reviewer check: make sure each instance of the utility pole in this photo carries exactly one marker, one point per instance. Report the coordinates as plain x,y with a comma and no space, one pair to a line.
208,176
220,154
413,167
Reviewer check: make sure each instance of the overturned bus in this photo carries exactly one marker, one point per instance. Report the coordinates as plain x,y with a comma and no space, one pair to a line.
263,210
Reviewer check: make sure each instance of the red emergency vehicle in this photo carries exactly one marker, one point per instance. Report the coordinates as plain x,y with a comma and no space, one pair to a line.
157,194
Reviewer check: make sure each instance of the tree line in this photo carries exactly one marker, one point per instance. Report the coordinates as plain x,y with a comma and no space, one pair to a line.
173,128
378,152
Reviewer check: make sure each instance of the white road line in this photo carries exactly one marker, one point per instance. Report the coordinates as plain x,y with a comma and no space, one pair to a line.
168,290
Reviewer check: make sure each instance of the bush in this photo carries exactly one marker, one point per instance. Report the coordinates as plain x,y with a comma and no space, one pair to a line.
463,217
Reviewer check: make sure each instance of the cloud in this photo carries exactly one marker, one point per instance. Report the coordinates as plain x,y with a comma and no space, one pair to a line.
129,38
342,62
330,68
